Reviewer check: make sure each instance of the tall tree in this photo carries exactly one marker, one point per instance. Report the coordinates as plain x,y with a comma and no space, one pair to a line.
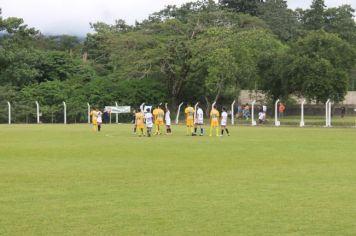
313,18
243,6
282,21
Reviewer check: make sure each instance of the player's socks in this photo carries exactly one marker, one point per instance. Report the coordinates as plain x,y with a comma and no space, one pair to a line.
227,131
217,132
222,132
211,132
195,130
192,130
201,131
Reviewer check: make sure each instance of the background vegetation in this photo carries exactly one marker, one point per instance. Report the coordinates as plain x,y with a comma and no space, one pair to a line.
201,51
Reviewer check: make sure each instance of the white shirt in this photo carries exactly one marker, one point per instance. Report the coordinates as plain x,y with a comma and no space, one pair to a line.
200,116
261,116
224,118
99,119
264,108
168,117
149,120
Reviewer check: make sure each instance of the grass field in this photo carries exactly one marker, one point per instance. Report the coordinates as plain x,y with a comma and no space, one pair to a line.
67,180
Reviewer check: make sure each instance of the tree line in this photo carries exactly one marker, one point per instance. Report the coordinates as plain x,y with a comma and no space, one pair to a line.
200,51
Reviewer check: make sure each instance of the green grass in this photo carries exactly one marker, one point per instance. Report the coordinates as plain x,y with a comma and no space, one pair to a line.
67,180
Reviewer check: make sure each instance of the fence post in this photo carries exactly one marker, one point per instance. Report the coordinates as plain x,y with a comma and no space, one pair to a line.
327,113
142,107
88,113
177,117
195,112
233,112
276,121
65,112
9,110
117,115
330,114
253,122
302,123
38,112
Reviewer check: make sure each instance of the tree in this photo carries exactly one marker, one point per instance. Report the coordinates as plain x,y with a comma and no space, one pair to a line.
282,21
244,6
319,66
340,20
313,18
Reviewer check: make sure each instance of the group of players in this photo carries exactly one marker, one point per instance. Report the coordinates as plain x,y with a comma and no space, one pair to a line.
145,120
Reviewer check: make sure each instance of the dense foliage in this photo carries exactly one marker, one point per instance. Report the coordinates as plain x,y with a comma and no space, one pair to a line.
201,51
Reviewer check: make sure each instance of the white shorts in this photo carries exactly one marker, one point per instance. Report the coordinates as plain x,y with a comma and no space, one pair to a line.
199,122
223,123
168,122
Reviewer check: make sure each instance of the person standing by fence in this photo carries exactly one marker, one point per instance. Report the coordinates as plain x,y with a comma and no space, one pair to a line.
281,110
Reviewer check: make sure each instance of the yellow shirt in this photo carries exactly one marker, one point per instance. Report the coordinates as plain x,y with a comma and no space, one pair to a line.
94,116
140,118
160,114
189,112
214,115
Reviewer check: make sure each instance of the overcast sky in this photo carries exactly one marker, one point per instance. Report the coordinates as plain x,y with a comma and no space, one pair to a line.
73,16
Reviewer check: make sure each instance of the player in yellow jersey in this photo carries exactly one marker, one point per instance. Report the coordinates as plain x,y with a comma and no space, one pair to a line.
214,121
140,121
158,116
189,119
94,119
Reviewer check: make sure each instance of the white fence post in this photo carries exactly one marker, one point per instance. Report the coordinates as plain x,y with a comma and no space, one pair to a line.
233,112
142,107
9,110
212,106
177,117
327,113
65,112
88,113
302,123
330,114
117,115
276,121
38,112
253,122
195,112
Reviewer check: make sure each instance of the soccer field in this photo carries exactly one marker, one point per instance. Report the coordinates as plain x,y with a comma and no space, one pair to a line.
68,180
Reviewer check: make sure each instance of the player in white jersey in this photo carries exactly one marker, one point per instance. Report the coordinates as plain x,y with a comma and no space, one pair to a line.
199,121
167,119
224,116
149,121
99,119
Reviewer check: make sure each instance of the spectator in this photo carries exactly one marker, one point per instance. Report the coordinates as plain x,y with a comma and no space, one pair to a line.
246,112
343,111
261,117
281,110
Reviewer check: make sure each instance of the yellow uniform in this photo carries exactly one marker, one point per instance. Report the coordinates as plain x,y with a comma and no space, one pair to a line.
189,114
214,116
214,119
158,115
94,117
140,120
